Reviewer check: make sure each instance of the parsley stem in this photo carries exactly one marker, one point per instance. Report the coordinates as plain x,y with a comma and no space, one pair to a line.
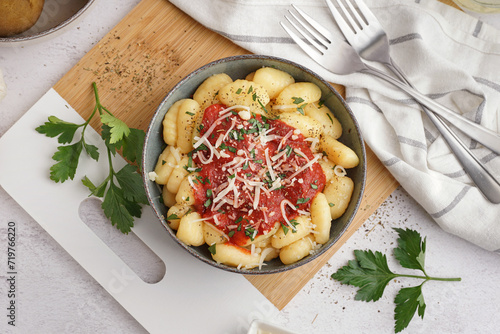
429,278
98,102
110,161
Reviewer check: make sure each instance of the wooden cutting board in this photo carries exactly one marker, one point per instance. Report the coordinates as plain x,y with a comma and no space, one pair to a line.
142,58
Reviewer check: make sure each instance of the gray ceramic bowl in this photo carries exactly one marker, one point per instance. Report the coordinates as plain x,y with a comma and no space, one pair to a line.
238,67
57,16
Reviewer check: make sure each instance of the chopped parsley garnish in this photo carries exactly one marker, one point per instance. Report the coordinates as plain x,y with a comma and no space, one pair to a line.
285,227
212,249
301,108
250,232
302,200
330,117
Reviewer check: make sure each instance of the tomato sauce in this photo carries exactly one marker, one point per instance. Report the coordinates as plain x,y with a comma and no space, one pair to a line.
236,189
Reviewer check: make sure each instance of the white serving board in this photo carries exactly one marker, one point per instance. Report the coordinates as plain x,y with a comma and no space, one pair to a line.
192,297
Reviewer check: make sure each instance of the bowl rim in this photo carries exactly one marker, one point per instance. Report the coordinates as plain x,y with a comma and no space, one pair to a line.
254,271
19,38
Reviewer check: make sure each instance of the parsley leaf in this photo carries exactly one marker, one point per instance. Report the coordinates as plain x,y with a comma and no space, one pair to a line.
121,190
57,127
213,249
67,157
408,300
411,250
118,129
371,274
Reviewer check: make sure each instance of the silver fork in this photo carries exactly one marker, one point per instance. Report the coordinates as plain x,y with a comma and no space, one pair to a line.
320,40
340,58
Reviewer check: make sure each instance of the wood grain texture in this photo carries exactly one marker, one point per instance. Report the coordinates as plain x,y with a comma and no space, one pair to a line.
142,58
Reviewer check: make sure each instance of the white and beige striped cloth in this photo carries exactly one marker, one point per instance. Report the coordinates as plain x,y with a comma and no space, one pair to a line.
448,55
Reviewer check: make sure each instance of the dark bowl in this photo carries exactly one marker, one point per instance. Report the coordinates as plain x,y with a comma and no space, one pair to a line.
238,67
56,18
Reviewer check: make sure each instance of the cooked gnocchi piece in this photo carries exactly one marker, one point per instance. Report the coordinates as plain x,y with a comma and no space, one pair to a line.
190,229
273,80
306,125
207,93
338,193
235,256
329,124
175,213
297,250
246,93
299,229
339,153
170,124
296,96
321,218
189,110
165,165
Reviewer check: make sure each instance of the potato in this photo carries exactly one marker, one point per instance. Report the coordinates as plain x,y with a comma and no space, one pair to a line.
243,92
338,153
175,213
261,238
190,229
298,94
330,125
338,194
273,80
297,250
189,111
212,235
185,193
270,253
321,218
207,93
235,256
168,197
250,76
178,174
328,168
308,127
166,162
170,124
303,228
195,136
17,16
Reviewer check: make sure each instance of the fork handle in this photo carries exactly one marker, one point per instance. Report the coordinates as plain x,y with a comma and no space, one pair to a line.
483,135
483,179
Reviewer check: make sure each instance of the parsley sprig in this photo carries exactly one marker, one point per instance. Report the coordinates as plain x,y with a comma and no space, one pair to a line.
121,190
370,272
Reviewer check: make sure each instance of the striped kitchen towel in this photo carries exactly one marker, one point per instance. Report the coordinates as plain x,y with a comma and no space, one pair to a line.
448,55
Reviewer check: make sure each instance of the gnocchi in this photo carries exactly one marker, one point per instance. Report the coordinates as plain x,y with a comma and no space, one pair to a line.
253,168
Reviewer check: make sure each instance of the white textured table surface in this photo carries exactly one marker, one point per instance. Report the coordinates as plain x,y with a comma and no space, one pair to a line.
56,295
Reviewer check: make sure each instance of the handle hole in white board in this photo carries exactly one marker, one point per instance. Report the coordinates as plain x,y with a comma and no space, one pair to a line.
135,253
